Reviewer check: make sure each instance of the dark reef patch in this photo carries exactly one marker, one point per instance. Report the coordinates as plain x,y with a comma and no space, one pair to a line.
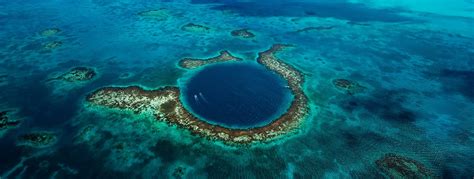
396,166
157,14
385,104
318,28
192,27
349,86
6,121
338,10
52,45
179,172
243,33
37,139
77,74
50,32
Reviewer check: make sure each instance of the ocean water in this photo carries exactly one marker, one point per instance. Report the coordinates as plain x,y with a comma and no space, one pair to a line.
237,95
415,60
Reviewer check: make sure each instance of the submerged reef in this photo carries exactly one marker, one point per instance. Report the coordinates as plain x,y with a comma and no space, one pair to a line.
52,45
243,33
191,27
159,14
37,139
351,87
179,172
396,166
191,63
50,32
77,74
318,28
165,105
6,122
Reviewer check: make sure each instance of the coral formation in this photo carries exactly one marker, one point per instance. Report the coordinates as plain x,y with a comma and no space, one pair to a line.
37,139
318,28
223,56
166,106
179,172
244,33
351,87
159,14
52,45
396,166
6,122
50,32
77,74
191,27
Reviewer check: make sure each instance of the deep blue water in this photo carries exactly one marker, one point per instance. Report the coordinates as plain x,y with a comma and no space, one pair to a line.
239,95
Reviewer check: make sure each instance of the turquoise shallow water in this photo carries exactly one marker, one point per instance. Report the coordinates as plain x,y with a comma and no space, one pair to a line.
414,59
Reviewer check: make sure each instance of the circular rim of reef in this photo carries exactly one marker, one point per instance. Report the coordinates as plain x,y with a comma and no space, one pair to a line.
282,108
166,105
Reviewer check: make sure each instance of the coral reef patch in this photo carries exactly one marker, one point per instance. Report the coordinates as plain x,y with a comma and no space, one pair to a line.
6,122
350,87
192,27
50,32
77,74
158,14
37,139
52,45
166,106
179,172
396,166
318,28
191,63
243,33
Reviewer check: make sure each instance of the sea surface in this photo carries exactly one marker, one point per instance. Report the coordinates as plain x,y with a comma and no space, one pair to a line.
237,95
413,58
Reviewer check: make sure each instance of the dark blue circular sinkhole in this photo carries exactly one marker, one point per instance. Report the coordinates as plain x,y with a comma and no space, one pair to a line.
237,95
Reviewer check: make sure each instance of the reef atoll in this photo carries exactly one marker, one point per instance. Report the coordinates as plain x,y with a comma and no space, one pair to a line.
37,139
243,33
191,63
348,86
77,74
191,27
166,106
396,166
